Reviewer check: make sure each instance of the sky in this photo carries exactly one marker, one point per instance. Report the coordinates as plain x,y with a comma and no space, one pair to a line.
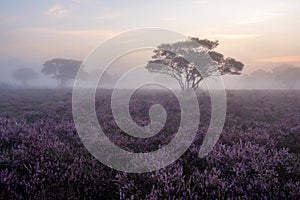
261,34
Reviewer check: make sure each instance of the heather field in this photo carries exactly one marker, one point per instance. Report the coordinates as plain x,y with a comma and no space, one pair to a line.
256,157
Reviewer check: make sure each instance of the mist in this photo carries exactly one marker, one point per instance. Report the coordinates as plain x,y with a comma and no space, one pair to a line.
281,77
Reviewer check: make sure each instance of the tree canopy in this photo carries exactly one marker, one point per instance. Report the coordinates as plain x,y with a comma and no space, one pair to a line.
191,61
63,70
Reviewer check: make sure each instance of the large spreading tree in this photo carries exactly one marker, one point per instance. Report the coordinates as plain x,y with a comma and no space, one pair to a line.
63,70
191,61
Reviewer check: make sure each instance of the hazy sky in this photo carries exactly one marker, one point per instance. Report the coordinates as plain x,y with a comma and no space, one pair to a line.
260,33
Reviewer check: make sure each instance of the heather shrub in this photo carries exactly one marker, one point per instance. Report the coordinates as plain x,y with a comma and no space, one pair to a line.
256,157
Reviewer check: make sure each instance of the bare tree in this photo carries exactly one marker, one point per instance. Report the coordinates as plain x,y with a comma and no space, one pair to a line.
63,70
191,61
24,75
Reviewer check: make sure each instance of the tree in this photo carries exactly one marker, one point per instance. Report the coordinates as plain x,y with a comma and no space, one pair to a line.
24,75
288,75
261,79
191,61
63,70
5,85
108,80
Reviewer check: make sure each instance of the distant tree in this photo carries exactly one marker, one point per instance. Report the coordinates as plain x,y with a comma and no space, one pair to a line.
24,75
261,79
5,85
107,79
260,75
191,61
63,70
289,76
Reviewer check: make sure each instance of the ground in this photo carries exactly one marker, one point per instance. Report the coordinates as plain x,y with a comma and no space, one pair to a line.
256,157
